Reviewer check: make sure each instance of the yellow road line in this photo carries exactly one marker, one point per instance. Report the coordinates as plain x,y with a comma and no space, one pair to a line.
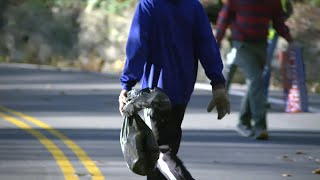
63,162
80,153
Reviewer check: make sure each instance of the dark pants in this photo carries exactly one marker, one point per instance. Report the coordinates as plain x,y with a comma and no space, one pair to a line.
167,130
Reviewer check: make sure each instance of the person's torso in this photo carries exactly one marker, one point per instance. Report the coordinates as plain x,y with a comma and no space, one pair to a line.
251,19
171,64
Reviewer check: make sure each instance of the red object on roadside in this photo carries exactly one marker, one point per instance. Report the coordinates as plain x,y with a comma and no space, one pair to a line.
292,71
293,103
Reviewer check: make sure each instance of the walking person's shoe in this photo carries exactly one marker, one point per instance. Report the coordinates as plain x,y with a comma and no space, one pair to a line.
244,130
261,134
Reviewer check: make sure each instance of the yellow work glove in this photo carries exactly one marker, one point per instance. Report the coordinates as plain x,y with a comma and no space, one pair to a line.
221,100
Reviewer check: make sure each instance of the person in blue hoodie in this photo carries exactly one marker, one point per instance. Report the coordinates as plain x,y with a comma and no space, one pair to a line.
167,38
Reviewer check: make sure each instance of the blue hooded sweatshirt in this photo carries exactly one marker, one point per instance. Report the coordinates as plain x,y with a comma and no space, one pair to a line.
166,40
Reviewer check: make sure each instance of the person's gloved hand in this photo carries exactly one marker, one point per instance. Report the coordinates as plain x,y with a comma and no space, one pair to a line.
221,100
122,100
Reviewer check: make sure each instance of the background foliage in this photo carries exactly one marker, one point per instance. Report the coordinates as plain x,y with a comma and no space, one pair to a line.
109,6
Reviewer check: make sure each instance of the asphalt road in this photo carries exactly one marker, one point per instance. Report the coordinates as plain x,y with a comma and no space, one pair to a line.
63,124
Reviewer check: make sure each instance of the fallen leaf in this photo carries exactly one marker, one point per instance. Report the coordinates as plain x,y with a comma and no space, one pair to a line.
286,158
82,174
310,158
98,162
286,175
300,153
317,171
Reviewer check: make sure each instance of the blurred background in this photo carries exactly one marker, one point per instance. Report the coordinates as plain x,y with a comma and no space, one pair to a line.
91,34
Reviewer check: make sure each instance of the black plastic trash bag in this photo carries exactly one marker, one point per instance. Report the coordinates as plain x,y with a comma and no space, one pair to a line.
138,144
146,98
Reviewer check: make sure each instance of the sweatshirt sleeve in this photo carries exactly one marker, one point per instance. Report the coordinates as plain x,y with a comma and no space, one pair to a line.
224,20
137,45
207,49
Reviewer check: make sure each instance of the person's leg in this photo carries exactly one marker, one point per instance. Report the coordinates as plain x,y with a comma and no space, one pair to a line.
167,130
231,67
245,112
267,69
244,126
251,60
260,115
257,103
156,175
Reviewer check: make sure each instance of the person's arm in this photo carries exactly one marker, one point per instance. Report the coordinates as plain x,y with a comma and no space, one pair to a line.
137,45
278,22
208,53
224,19
207,50
136,50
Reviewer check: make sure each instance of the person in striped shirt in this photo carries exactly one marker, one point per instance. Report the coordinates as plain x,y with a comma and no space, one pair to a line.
249,21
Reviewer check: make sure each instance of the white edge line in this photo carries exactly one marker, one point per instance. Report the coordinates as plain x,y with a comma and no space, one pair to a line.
200,86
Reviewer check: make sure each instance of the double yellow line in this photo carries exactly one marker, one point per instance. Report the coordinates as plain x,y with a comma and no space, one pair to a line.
62,161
